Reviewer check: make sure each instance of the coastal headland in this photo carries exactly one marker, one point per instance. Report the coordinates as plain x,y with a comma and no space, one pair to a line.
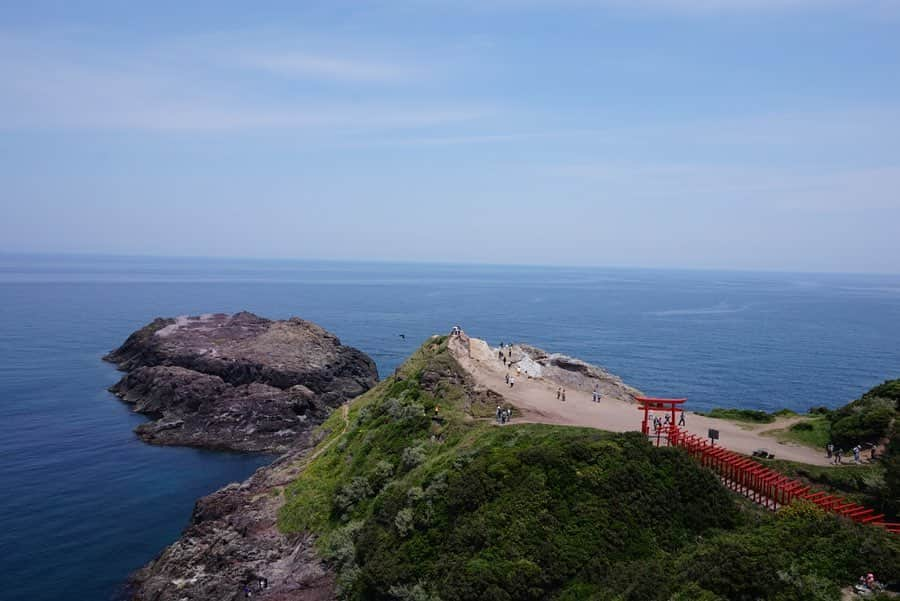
411,490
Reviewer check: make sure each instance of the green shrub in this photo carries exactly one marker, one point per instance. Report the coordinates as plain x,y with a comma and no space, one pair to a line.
867,425
742,415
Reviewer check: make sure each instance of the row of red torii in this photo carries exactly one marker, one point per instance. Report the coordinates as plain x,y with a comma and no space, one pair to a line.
747,476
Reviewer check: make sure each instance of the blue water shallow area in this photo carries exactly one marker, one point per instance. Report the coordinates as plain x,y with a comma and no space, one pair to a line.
85,502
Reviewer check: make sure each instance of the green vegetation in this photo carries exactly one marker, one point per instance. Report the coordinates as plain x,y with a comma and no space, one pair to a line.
741,415
861,483
813,432
414,504
868,419
871,419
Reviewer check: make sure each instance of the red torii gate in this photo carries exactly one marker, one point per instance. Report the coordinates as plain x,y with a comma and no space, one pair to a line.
648,404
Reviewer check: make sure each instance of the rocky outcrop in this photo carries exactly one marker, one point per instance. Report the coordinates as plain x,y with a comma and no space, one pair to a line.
569,372
233,542
237,382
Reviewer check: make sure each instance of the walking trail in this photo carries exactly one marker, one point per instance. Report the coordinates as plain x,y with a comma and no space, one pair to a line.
535,399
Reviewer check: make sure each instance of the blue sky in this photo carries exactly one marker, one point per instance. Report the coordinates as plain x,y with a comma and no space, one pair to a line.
749,134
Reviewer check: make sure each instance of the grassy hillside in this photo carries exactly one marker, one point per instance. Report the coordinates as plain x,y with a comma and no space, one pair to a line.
412,498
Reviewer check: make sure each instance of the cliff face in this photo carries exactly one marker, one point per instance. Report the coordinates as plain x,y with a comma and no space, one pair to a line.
233,542
237,382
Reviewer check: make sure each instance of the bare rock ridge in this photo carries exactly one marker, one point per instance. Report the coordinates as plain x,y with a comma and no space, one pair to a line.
239,382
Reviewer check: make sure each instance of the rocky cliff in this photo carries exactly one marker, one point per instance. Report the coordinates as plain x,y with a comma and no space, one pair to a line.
237,382
233,542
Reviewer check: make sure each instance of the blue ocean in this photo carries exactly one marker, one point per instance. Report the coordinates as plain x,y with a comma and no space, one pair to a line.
84,502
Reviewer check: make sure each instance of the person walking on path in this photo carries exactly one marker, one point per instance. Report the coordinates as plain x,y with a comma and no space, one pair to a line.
512,382
681,420
856,451
563,398
595,396
558,393
507,379
829,450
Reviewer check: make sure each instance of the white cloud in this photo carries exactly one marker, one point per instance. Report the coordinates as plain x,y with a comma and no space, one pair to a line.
695,7
300,64
782,188
47,86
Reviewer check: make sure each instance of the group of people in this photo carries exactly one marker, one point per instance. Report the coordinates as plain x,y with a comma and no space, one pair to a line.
561,394
510,380
659,424
456,331
836,455
505,354
503,414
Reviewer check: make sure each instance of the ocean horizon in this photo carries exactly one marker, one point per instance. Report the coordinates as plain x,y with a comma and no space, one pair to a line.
88,502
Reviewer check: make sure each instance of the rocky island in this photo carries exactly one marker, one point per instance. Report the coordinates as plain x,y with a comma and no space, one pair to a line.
238,382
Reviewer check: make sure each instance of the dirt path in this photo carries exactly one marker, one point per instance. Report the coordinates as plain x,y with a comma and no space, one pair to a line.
345,412
536,399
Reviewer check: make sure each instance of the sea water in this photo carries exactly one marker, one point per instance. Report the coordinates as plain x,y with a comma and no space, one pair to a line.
84,502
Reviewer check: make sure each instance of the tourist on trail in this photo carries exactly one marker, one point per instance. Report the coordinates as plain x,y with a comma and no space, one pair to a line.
512,382
837,456
681,420
558,393
829,450
595,396
666,420
507,379
563,398
498,413
856,451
